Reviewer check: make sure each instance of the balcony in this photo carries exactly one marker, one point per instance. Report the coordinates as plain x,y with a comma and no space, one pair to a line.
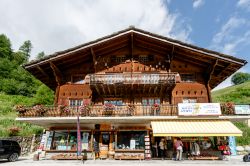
119,84
133,78
104,111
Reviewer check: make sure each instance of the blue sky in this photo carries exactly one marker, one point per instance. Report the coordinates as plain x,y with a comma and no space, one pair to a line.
220,25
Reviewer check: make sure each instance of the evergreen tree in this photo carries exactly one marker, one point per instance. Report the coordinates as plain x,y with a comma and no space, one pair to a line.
40,55
26,49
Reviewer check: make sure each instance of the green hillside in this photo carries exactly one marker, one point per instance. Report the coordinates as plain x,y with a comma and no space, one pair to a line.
8,125
239,94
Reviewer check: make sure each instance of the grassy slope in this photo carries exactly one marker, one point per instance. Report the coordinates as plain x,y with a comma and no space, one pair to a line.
8,115
239,94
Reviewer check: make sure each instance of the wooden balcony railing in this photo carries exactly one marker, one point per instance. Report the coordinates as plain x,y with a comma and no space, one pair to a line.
103,111
100,111
133,78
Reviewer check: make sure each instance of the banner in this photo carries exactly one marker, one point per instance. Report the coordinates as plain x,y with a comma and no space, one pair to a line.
232,145
196,109
242,109
79,142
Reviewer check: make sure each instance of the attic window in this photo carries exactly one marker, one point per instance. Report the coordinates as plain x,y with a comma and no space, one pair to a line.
77,79
187,77
120,59
143,58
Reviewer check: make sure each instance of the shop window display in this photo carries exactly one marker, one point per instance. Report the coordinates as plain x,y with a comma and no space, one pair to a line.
67,140
131,140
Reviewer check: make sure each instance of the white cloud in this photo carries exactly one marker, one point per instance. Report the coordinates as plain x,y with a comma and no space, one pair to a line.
228,39
60,24
198,3
244,4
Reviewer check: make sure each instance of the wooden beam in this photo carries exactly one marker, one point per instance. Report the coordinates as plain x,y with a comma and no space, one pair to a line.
97,89
156,87
57,73
56,95
108,86
211,72
132,45
170,58
43,72
225,69
103,89
94,58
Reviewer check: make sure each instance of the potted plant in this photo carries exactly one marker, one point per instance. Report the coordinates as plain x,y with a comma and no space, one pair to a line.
20,109
155,109
85,109
108,109
40,109
64,110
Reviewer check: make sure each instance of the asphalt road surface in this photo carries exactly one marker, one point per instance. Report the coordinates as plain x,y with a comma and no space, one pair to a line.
234,160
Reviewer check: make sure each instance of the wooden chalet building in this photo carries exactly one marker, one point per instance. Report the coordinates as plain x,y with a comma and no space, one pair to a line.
127,86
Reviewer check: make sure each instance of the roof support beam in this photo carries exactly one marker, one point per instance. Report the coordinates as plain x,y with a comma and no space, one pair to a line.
57,73
94,58
132,45
211,71
170,58
225,69
43,72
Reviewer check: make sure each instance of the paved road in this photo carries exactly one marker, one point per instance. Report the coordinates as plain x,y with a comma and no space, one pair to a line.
235,160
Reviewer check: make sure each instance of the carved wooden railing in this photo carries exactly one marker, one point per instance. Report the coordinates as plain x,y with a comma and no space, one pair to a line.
101,111
133,78
104,111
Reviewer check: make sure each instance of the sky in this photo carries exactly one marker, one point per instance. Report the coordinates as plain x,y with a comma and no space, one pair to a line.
51,26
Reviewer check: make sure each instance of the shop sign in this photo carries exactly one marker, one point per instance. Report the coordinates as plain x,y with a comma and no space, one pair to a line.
242,109
197,109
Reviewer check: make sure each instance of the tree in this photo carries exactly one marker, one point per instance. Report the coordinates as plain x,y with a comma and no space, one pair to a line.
5,47
240,78
44,95
40,55
26,49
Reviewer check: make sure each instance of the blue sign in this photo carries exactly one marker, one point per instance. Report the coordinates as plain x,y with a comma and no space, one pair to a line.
79,142
232,145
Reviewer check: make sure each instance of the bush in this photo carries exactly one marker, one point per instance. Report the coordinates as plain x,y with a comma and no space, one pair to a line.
240,78
245,139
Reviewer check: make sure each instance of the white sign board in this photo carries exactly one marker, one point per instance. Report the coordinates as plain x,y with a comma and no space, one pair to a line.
242,109
196,109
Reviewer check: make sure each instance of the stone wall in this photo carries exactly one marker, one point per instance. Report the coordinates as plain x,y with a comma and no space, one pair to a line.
28,144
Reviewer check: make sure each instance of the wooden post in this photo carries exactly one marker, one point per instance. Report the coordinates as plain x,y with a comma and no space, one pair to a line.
56,95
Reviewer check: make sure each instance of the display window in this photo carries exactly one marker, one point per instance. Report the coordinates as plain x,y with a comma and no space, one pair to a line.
131,140
67,140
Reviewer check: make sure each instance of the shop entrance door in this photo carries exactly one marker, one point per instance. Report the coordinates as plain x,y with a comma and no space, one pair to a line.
104,147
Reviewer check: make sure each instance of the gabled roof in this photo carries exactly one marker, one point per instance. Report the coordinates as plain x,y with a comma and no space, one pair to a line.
221,65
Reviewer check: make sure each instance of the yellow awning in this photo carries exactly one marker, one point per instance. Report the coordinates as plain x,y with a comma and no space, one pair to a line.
192,128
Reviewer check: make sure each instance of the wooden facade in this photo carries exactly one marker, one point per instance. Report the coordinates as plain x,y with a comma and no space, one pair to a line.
131,70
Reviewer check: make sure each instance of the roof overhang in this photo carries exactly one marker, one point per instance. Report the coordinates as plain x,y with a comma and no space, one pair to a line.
222,65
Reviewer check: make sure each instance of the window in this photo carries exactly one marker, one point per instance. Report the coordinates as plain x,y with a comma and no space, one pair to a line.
79,79
114,102
67,140
187,77
120,59
150,101
143,58
131,139
189,100
75,102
